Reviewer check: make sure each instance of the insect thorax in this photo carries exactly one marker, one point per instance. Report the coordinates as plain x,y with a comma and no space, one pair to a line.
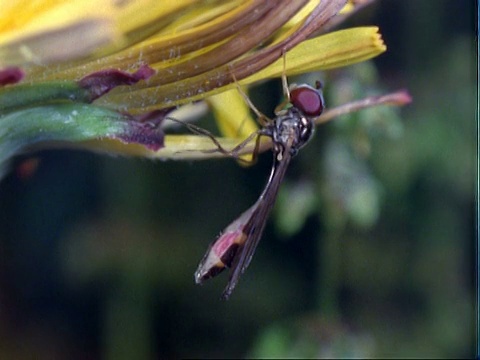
291,126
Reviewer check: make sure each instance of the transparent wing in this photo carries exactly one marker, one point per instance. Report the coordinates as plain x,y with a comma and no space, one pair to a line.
256,223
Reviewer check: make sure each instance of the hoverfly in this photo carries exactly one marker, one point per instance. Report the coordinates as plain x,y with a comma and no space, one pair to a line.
291,128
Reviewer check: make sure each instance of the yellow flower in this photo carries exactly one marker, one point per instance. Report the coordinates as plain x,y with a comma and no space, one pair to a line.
176,52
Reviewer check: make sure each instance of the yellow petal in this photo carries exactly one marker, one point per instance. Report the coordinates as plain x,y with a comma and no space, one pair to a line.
183,35
181,147
48,31
340,48
74,41
45,31
232,114
336,49
349,7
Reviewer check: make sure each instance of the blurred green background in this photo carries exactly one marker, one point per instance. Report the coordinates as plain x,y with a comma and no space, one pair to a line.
369,251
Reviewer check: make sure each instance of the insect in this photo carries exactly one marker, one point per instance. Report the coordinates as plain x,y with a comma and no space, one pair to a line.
291,128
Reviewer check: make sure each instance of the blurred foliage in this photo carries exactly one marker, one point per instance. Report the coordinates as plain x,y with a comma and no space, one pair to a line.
370,251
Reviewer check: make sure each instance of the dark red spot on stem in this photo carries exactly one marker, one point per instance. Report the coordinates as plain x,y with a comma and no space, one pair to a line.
145,130
11,75
101,82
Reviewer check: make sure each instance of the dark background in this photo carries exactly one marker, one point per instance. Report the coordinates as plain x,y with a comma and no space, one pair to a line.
369,251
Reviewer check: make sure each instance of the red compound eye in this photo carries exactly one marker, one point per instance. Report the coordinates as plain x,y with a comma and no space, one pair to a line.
307,99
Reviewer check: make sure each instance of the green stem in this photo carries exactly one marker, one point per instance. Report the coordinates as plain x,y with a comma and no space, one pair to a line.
72,122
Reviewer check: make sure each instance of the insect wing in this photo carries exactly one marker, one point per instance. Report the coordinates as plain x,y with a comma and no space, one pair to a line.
254,227
223,250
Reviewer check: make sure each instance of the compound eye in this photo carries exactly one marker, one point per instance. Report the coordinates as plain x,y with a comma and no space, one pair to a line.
307,99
